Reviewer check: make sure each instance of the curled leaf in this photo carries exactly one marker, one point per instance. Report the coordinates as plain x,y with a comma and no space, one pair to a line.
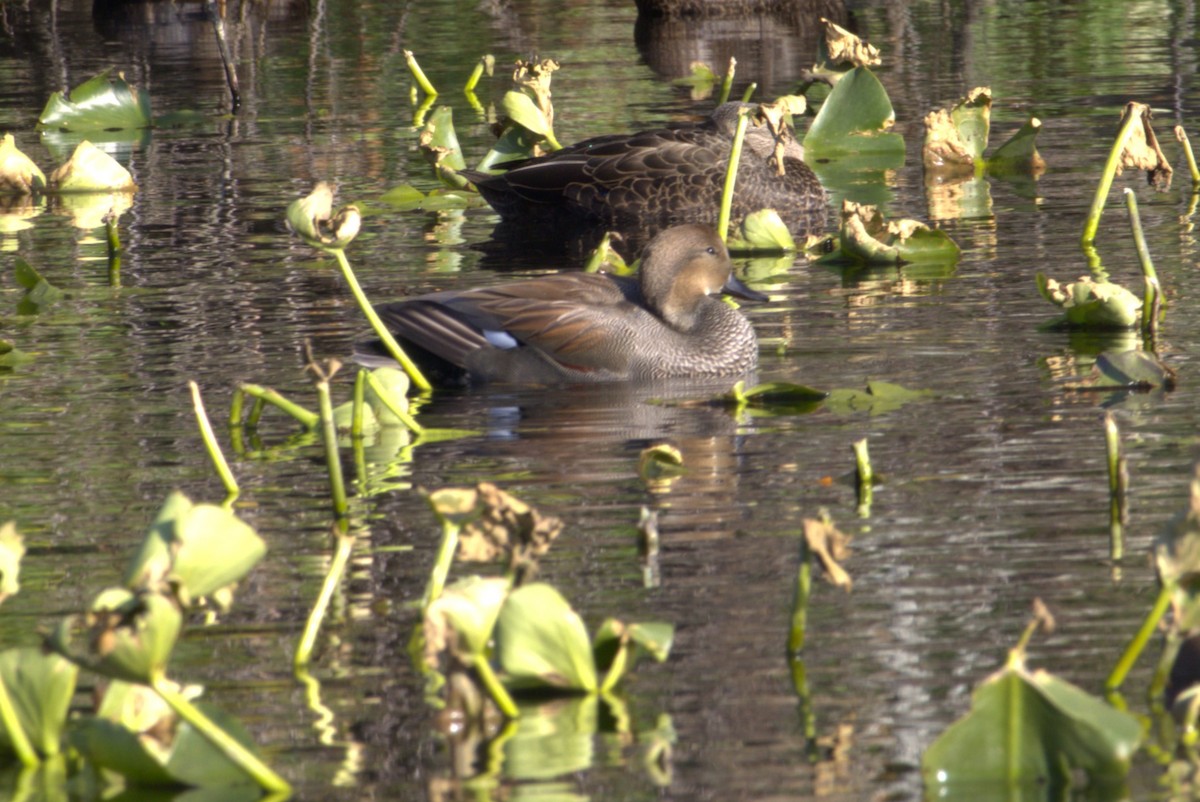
1092,304
90,169
460,621
313,219
1020,152
102,103
1141,151
830,546
958,137
844,48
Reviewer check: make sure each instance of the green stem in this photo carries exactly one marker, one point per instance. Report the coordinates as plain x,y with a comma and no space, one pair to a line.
735,156
267,779
1116,502
1150,294
213,447
485,63
749,93
237,407
381,331
494,687
1134,650
1106,178
114,250
265,395
383,395
727,82
799,626
418,73
16,733
329,435
441,566
341,557
1182,137
356,416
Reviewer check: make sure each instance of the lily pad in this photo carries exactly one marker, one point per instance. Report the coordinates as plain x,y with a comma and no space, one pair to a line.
878,397
104,102
541,642
866,238
762,231
855,118
40,685
123,636
1031,728
18,173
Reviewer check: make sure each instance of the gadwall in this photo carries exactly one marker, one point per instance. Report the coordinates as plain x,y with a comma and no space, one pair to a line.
639,184
586,327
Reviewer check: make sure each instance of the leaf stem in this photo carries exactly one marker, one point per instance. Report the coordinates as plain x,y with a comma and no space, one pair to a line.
383,395
213,447
265,395
1116,488
1182,137
727,82
267,779
1106,178
419,74
1134,650
381,331
1151,295
735,157
333,461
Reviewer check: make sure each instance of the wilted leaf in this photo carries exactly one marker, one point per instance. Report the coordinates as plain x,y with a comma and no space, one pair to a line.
18,174
1141,151
496,524
541,642
440,147
40,685
866,238
460,621
12,549
854,118
1034,728
830,546
844,48
313,219
123,636
959,136
90,169
101,103
1091,304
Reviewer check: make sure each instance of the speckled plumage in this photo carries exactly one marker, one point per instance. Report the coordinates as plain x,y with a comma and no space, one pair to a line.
648,181
587,327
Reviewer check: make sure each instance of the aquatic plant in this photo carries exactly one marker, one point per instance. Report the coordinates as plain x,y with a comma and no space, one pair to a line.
104,102
19,175
865,237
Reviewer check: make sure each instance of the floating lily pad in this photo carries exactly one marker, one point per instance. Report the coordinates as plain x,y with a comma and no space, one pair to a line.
18,173
866,238
878,397
40,685
541,642
1091,304
104,102
1031,729
855,118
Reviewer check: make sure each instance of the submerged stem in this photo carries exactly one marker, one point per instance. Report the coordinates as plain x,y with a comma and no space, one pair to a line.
341,556
381,331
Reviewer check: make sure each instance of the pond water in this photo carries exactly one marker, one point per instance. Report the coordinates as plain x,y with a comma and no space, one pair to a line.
995,489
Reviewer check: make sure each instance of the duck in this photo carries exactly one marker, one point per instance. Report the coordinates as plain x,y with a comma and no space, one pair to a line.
577,327
639,184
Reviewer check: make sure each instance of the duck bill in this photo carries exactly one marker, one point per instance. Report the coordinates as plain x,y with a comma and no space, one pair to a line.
737,289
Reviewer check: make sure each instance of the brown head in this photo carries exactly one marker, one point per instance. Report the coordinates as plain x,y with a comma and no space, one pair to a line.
681,268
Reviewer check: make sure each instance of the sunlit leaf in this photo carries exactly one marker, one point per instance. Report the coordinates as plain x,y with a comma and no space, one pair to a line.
405,196
312,217
90,169
866,238
854,118
135,735
462,618
617,646
12,549
763,230
123,635
91,210
877,398
194,550
40,685
541,642
18,173
957,138
104,102
700,78
521,109
1019,153
1141,150
1091,304
439,145
515,144
1028,728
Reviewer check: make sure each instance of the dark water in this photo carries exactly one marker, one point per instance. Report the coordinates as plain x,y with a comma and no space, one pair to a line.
995,488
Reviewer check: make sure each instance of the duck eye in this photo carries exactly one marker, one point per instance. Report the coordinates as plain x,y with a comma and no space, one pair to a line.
711,250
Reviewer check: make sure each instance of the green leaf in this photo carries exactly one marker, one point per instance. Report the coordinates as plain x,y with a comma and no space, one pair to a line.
551,740
90,169
1091,304
854,118
762,231
18,173
439,141
11,356
39,293
40,685
1131,369
515,144
137,736
405,196
12,549
865,238
972,118
462,618
521,109
101,103
123,636
1031,728
1019,154
194,550
541,641
878,397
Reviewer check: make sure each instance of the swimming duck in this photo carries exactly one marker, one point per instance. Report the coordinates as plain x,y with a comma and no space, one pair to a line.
639,184
587,327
